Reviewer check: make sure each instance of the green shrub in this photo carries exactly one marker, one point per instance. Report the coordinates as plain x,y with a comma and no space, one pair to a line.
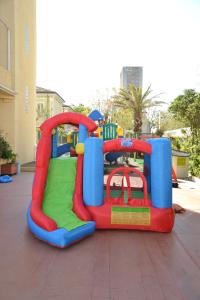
190,144
6,151
176,143
159,132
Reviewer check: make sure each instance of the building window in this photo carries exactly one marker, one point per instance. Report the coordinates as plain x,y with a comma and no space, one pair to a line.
40,108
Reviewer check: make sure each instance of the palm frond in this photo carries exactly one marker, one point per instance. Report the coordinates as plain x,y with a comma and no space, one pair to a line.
133,98
147,92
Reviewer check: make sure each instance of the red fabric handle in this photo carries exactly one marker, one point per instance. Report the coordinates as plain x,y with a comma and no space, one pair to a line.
125,171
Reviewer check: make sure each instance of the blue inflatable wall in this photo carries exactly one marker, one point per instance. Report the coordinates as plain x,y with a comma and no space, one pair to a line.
161,172
93,172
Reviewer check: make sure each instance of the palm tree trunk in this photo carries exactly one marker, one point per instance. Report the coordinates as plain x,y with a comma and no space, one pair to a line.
138,123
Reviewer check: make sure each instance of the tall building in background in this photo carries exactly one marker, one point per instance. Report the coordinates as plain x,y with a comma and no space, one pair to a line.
17,76
131,75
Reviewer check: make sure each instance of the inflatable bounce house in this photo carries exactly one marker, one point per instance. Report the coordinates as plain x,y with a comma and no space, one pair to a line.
69,197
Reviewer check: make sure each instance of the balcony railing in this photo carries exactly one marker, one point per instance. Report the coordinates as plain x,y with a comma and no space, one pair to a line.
4,45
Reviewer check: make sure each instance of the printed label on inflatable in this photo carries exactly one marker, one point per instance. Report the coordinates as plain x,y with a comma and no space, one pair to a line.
130,215
126,143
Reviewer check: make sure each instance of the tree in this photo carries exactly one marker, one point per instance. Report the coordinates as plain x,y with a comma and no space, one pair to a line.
159,132
152,117
137,102
169,122
186,107
123,117
113,114
82,109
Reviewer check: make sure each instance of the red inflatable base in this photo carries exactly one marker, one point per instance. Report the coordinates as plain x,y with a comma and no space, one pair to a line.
109,216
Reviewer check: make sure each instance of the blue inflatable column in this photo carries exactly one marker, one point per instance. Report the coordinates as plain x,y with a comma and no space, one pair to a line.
54,144
147,170
161,172
93,172
83,133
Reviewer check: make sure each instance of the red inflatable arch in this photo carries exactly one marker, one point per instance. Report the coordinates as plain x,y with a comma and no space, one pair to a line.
126,145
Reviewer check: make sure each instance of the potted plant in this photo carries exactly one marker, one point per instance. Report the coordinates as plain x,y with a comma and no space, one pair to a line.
8,165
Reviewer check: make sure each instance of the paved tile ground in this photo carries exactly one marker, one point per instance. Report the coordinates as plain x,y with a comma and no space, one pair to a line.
110,265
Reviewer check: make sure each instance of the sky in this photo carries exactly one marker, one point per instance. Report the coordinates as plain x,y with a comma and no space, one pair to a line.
82,46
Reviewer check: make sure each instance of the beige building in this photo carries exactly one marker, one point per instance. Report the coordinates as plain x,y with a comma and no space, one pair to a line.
49,103
17,76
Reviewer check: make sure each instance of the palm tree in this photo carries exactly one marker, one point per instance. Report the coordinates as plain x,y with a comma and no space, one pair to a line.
135,100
